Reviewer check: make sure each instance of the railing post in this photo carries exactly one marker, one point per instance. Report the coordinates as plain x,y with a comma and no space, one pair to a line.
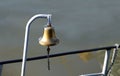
106,61
1,69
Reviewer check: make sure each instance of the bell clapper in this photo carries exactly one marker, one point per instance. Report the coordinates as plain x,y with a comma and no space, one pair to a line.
48,51
49,38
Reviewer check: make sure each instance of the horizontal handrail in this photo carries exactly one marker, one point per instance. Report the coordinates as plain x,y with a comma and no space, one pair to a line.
59,54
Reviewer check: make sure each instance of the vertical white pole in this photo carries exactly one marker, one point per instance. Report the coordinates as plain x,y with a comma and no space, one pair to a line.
26,39
106,61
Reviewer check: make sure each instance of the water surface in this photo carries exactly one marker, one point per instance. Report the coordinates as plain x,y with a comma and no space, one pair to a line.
79,24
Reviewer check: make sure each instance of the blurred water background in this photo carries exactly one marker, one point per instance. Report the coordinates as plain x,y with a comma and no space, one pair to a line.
79,24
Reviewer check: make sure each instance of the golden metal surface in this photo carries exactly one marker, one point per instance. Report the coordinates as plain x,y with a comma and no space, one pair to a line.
49,38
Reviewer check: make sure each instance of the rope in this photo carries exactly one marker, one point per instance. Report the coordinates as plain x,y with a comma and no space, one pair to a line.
48,51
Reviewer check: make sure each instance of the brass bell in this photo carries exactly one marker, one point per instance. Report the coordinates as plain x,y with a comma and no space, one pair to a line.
49,37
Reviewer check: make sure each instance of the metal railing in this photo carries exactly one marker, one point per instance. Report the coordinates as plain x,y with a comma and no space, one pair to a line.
105,71
58,54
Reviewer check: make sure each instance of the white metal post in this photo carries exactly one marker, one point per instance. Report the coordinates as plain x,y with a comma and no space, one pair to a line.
26,39
106,61
105,66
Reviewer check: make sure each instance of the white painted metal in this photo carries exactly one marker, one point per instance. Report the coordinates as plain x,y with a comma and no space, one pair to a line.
106,61
114,55
93,74
26,39
105,69
105,66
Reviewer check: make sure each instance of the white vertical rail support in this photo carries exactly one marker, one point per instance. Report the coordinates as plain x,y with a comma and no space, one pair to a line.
26,39
106,61
114,55
105,65
1,69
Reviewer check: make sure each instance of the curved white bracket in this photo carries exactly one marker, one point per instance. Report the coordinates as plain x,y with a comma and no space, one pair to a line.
26,39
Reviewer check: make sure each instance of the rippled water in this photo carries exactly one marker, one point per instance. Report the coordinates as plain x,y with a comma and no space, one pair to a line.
79,24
